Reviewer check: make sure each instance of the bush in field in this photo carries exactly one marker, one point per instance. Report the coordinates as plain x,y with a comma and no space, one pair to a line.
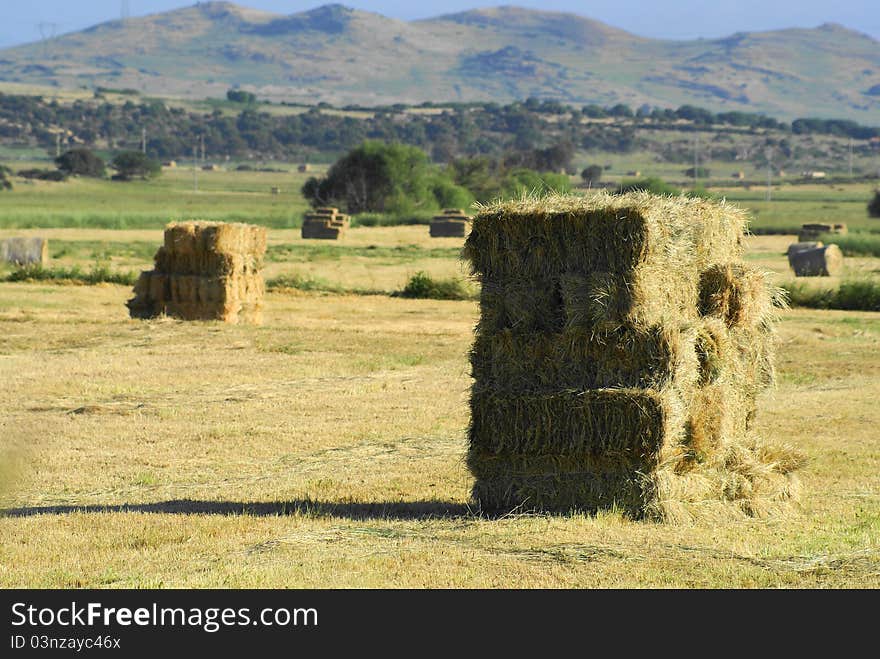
874,205
422,285
43,174
80,162
697,172
134,164
650,184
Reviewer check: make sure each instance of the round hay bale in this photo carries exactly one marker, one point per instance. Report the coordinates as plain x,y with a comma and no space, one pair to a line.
825,261
800,247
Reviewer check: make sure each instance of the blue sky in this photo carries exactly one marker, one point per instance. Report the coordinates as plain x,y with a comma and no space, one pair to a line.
683,19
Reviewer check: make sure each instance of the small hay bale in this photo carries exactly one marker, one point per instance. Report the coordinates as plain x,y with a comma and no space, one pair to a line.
325,224
25,251
824,261
451,223
621,347
205,271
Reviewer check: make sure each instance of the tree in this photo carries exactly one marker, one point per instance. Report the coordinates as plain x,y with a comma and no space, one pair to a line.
134,164
591,174
80,162
239,96
874,205
384,178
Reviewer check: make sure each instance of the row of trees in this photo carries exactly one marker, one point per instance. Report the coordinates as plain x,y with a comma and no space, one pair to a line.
459,131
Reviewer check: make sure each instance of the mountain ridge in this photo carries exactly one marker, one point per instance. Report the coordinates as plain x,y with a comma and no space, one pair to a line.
345,56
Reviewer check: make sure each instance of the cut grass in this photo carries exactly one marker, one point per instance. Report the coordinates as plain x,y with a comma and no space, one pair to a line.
340,465
98,274
853,295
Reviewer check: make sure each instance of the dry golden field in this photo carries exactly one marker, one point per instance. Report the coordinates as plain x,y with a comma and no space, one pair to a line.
326,447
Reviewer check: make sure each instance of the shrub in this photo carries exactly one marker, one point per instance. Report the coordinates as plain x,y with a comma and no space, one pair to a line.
422,285
43,174
650,184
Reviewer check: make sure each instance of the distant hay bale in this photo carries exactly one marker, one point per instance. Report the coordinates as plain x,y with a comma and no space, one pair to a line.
811,232
205,271
621,348
819,261
451,223
25,251
325,223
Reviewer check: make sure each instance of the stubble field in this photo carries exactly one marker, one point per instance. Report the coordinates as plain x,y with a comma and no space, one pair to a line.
326,447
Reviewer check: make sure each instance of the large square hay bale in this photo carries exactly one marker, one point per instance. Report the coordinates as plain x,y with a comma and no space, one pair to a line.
205,271
621,347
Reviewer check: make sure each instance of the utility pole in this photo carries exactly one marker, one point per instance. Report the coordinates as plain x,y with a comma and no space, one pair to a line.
195,169
47,33
58,145
769,153
202,141
144,141
696,156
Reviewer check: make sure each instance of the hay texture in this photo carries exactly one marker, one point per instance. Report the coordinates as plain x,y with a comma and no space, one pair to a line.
25,251
621,348
205,271
451,223
325,224
815,261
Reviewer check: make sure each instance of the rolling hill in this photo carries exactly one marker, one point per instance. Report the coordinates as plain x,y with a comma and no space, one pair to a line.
345,56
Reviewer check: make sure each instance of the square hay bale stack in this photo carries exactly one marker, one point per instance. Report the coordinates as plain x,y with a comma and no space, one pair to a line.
25,251
325,224
621,347
451,223
205,271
